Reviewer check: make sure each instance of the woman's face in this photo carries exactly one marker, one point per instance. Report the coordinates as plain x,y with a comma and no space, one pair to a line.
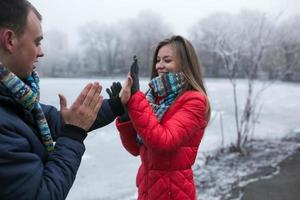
167,60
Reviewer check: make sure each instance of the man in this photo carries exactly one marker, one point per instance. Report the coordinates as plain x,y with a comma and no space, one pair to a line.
31,166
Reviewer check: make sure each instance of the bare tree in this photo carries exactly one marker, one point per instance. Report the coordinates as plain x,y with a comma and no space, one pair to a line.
56,49
110,48
205,36
289,49
102,44
240,42
144,32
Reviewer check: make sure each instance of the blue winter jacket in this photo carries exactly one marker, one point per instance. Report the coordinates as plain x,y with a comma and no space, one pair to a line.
27,170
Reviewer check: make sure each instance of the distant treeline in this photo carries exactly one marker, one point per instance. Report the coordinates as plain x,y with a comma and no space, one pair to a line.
223,42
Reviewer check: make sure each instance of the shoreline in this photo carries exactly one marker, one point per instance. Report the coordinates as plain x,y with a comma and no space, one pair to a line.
230,175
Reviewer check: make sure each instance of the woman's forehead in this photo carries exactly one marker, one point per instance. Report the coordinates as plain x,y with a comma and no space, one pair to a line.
167,49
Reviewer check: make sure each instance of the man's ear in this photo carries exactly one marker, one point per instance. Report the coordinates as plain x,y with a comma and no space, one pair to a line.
8,40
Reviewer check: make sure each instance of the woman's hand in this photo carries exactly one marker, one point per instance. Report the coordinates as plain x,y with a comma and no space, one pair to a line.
132,84
134,73
115,101
125,92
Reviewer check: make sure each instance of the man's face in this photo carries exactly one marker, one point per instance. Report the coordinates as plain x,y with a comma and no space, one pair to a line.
28,48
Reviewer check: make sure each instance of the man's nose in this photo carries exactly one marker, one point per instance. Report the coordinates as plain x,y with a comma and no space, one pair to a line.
40,52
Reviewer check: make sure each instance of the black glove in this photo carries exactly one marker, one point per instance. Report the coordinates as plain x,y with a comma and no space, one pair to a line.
115,101
134,72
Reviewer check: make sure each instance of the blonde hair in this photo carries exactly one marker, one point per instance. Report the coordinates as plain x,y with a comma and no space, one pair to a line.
189,63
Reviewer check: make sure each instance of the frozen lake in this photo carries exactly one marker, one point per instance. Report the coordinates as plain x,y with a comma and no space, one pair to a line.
108,171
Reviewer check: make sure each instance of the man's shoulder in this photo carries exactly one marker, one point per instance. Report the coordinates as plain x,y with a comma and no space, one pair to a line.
7,108
8,116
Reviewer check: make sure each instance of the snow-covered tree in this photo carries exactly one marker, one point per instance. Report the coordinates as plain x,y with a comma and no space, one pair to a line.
240,42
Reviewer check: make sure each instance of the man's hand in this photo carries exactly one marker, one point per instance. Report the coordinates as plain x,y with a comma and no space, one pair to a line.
84,110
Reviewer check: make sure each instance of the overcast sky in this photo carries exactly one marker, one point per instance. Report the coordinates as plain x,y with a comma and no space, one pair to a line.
69,15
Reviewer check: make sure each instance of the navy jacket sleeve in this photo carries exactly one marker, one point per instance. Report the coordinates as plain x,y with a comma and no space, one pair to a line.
54,120
27,172
104,117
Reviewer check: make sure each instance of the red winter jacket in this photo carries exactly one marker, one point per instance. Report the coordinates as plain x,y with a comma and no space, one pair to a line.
169,147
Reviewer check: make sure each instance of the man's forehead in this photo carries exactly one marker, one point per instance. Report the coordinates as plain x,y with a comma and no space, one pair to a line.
33,18
34,24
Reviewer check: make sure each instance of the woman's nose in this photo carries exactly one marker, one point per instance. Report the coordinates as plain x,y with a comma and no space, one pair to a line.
159,65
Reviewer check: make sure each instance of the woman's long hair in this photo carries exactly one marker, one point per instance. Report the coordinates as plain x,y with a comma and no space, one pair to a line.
189,65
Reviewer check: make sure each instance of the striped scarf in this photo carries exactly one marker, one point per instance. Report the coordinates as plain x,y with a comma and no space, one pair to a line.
166,87
27,94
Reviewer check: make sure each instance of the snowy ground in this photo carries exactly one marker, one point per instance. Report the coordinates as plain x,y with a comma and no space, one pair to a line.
222,175
108,171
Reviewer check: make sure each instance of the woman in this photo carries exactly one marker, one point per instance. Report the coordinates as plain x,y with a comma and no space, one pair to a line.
167,124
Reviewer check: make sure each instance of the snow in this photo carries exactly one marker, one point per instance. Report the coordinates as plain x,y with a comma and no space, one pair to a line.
108,172
217,174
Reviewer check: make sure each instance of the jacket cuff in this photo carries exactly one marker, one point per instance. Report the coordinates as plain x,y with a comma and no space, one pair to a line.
74,132
127,125
132,102
116,106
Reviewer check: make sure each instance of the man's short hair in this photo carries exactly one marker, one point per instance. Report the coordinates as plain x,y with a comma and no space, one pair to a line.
13,14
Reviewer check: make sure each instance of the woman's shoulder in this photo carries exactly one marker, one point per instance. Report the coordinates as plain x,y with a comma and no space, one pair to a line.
191,98
192,95
194,102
